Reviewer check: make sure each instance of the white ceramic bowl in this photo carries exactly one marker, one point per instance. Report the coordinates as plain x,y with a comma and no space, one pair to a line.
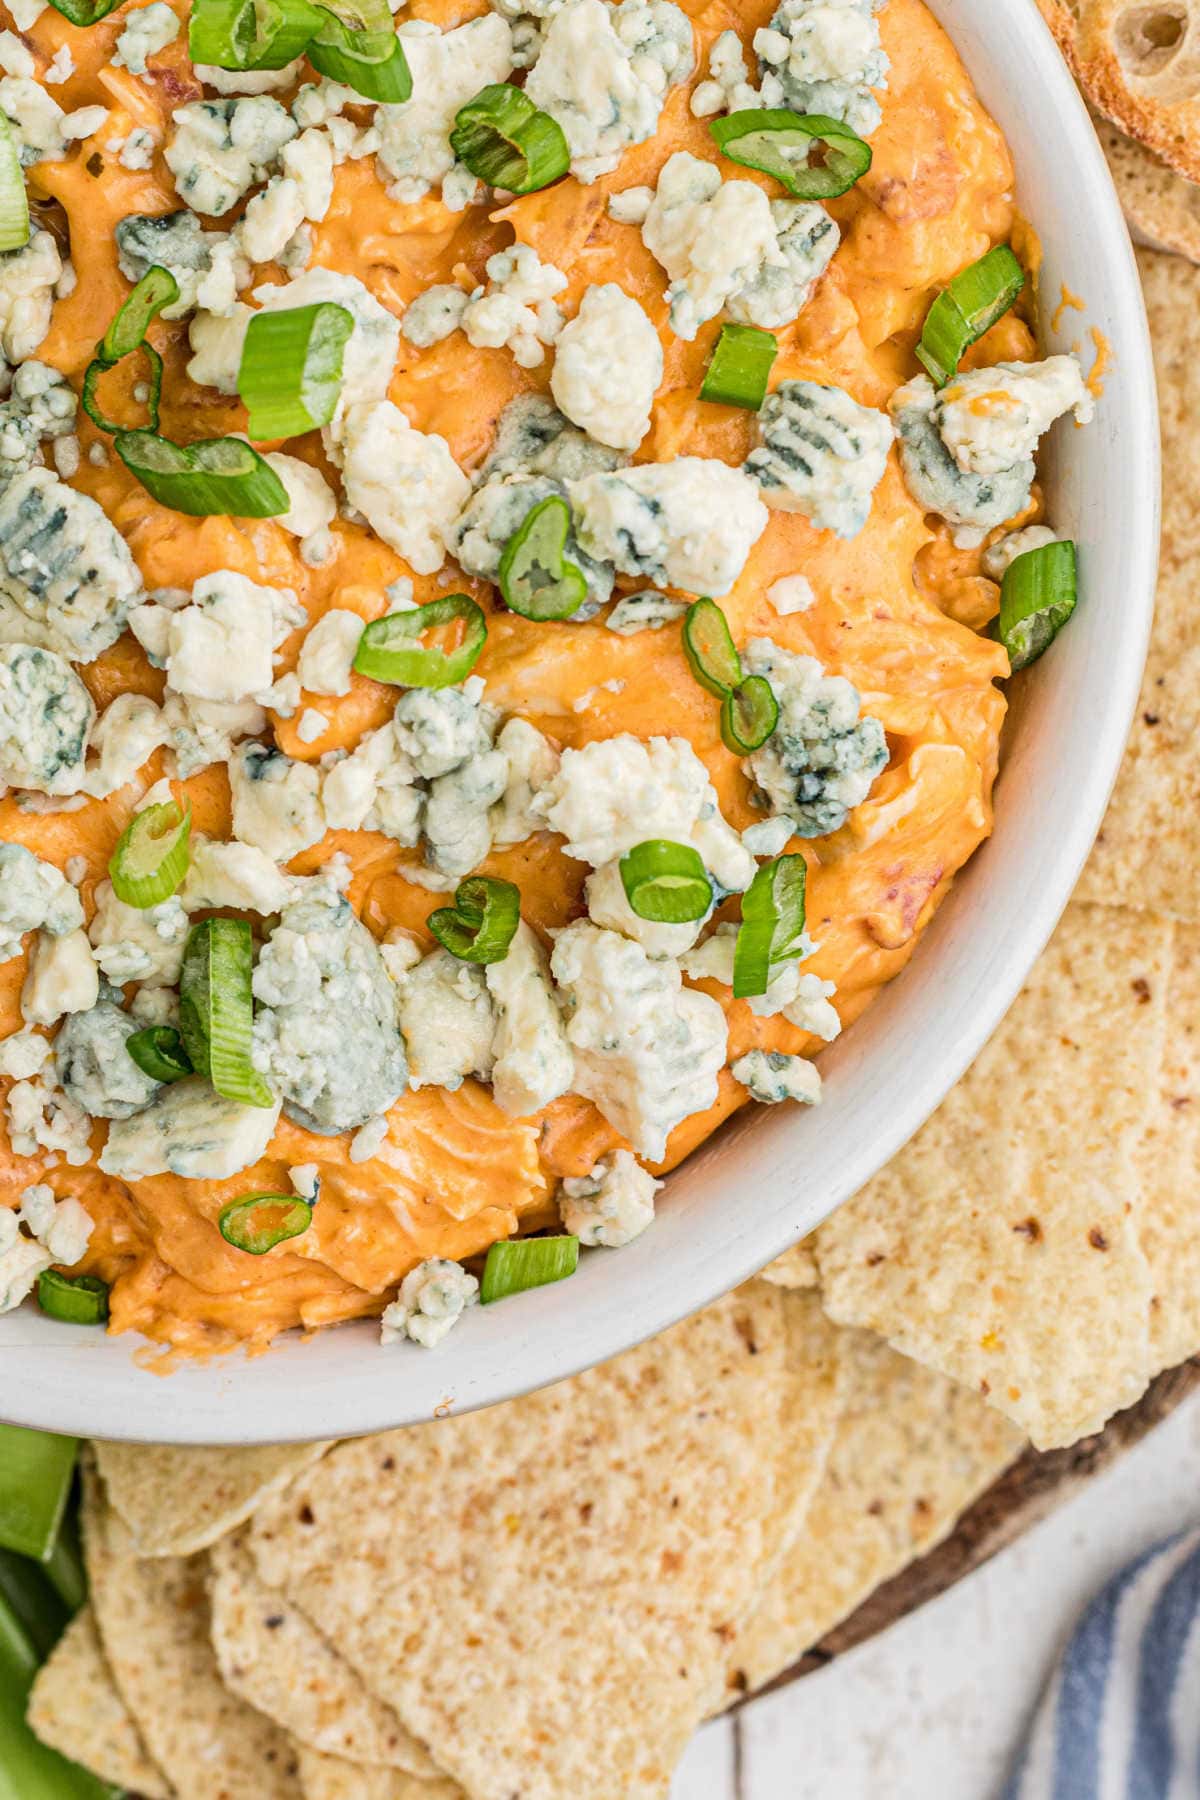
772,1175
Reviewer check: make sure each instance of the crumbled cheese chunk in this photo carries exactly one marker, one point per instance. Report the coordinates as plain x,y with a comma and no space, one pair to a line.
687,524
990,419
533,1062
432,1299
532,765
608,367
612,1205
191,1131
327,653
803,1000
221,148
822,759
608,905
95,1066
46,714
28,278
62,978
276,802
791,594
23,1054
67,578
34,896
147,31
647,611
135,943
313,504
769,1077
448,1022
824,56
128,732
998,557
221,647
235,876
630,206
820,453
405,483
448,69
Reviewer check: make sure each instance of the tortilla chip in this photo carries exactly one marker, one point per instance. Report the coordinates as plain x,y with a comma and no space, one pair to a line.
1170,1159
274,1659
911,1452
331,1778
1136,63
544,1591
794,1269
1001,1245
1161,207
176,1499
76,1709
153,1620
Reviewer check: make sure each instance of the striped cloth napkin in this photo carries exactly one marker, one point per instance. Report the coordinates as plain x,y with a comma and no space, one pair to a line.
1120,1719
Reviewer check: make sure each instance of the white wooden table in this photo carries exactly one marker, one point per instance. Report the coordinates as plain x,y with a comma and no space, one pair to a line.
932,1709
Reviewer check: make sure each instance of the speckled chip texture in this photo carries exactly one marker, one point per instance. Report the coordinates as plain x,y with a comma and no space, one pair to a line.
1002,1245
796,1268
176,1500
1161,208
272,1657
76,1709
1170,1158
564,1627
333,1778
1136,61
1148,851
153,1620
911,1452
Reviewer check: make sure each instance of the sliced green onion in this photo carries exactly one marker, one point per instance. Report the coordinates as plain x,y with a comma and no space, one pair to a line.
84,12
63,1567
158,1052
749,715
258,1222
14,200
709,648
127,333
508,142
535,577
250,34
291,370
778,142
151,857
772,925
213,478
666,882
483,921
75,1299
1037,597
740,367
372,62
962,312
36,1472
216,1009
25,1587
522,1263
390,649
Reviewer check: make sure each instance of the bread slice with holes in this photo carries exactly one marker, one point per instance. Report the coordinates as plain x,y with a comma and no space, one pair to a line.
1138,62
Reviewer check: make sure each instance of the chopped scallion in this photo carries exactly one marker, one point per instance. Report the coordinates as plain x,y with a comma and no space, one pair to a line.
772,928
483,921
749,715
535,577
151,857
371,61
508,142
75,1299
14,200
216,1009
709,648
84,12
962,312
250,34
522,1263
390,649
779,143
291,370
158,1052
666,882
740,367
258,1222
1037,597
214,477
127,333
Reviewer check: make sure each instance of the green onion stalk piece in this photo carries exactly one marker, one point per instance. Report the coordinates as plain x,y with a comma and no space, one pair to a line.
372,62
63,1568
127,333
151,857
1037,597
290,375
24,1586
779,142
390,649
483,921
158,1052
211,478
772,927
250,34
749,715
257,1222
709,648
508,142
216,1009
535,577
14,200
36,1472
522,1263
84,12
666,882
75,1299
975,299
740,367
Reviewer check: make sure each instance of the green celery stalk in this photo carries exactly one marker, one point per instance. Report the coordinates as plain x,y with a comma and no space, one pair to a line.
36,1471
63,1568
29,1770
30,1597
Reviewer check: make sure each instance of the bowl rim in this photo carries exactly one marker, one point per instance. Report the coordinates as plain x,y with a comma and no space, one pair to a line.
59,1379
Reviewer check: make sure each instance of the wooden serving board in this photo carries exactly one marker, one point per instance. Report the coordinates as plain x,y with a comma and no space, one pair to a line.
1033,1487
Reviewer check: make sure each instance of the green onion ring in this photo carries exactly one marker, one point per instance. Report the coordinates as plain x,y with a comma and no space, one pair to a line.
212,478
760,137
666,882
84,12
127,333
158,1052
508,142
740,367
14,198
390,649
290,376
709,648
483,921
372,62
962,312
250,34
772,924
216,1009
257,1222
1037,597
749,715
521,1263
75,1299
151,855
535,577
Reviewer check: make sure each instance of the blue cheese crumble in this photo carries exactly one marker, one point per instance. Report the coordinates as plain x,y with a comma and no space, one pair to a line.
448,69
608,367
221,148
46,714
821,454
191,1131
769,1077
822,759
67,578
432,1299
688,524
824,56
34,896
95,1066
612,1204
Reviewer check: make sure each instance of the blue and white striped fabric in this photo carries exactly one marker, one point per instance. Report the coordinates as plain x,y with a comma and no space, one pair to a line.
1121,1717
